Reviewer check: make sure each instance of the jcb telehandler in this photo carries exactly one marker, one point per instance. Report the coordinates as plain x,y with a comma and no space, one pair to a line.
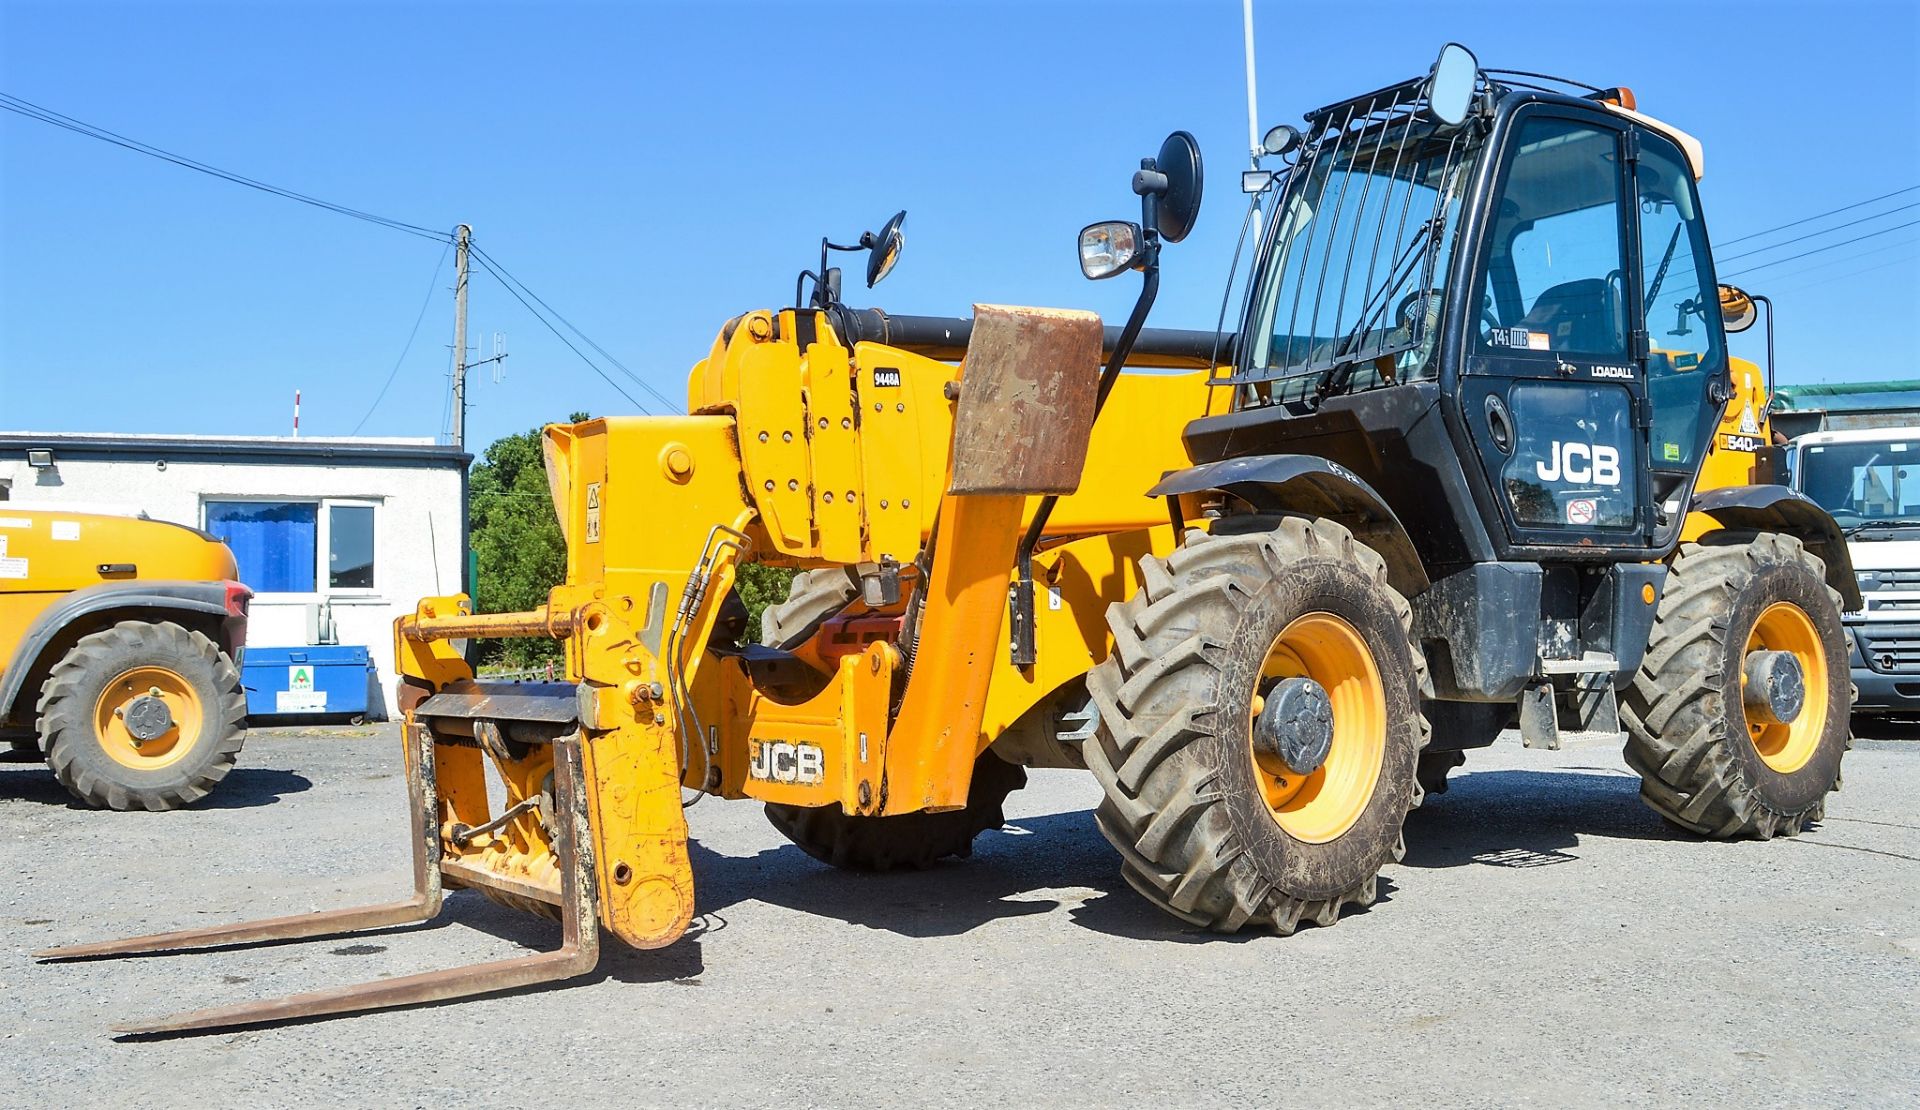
119,648
1443,478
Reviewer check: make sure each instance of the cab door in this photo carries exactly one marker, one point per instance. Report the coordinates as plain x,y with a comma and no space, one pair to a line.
1553,391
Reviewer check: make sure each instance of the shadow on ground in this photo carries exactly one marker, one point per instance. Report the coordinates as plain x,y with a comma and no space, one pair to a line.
243,788
1038,864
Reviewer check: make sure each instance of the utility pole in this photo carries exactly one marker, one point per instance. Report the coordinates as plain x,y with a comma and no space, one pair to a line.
462,234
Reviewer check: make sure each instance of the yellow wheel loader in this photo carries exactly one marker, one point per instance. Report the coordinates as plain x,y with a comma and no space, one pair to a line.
119,648
1444,477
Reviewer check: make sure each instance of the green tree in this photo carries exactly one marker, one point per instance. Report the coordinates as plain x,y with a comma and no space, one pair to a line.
516,540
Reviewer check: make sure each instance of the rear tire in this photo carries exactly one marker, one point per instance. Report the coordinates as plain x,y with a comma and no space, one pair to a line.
907,840
1701,765
90,745
1189,806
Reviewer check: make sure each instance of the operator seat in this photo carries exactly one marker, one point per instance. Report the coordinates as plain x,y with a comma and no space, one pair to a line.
1579,316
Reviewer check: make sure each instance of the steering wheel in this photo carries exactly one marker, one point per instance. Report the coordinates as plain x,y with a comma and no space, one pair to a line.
1403,318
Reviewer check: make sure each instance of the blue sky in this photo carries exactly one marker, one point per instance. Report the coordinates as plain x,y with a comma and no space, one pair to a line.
650,170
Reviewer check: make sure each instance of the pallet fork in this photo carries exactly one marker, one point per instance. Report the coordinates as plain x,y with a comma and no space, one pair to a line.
580,937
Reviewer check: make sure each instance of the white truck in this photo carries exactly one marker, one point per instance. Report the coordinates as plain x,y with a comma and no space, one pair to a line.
1869,479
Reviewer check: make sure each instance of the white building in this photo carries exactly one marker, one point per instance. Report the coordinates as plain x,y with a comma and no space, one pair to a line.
357,530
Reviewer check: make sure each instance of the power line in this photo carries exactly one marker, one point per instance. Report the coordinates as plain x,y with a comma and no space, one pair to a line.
30,110
1828,247
487,264
1850,273
1821,215
500,271
432,283
1822,231
1844,259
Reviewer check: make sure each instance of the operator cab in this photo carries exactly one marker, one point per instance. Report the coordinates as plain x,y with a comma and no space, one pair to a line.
1500,311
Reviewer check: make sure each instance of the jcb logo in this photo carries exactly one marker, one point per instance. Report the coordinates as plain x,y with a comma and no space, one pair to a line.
779,761
1582,463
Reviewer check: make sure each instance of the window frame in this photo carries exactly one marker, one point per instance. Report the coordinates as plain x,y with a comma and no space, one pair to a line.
322,543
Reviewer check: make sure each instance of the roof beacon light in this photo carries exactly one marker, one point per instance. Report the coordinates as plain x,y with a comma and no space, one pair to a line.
1620,96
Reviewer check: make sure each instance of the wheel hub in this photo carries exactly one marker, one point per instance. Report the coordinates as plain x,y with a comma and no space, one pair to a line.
1775,688
148,718
1296,725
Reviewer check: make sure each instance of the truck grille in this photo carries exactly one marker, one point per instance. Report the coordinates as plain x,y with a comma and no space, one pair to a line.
1891,652
1890,579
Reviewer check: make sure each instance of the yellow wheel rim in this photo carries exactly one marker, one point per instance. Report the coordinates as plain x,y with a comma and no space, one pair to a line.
1784,626
183,705
1324,804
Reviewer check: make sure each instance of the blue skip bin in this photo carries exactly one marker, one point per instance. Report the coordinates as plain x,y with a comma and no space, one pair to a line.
325,679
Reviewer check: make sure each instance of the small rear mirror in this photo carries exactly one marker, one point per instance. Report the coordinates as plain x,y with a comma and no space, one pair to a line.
1179,160
1737,310
884,249
1450,86
1108,248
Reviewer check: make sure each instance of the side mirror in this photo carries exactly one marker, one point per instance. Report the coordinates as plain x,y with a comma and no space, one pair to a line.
1108,248
1179,163
1737,309
883,250
1450,85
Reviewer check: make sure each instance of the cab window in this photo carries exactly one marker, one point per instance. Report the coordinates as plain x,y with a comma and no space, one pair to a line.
1554,271
1684,330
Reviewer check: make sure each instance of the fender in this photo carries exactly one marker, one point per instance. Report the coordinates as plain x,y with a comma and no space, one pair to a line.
225,600
1770,508
1311,486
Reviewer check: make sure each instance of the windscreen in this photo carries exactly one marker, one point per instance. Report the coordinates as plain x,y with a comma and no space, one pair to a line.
1863,484
1354,274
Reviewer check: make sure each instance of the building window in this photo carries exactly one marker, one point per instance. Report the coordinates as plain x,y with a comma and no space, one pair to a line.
278,544
350,547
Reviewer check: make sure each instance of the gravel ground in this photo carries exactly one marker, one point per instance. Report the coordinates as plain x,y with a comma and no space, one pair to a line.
1547,941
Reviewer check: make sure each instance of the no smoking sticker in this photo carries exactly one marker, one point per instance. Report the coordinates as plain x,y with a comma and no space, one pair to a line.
1581,510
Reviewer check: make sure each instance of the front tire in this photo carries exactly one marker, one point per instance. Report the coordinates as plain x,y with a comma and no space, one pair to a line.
1703,764
142,716
1208,827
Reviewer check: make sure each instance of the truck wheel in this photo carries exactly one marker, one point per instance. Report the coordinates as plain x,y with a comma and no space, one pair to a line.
142,716
1260,726
907,840
1737,719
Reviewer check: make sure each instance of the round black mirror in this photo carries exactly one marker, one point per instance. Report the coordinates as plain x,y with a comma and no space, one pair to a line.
1179,160
884,249
1737,310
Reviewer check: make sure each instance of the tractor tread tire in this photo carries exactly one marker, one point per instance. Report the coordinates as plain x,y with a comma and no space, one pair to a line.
1184,836
906,841
1681,713
65,710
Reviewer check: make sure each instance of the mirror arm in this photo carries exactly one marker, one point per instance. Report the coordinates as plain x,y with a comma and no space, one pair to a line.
1021,647
1768,301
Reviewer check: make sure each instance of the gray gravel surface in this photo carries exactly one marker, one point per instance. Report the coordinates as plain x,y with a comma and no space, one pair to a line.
1547,941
